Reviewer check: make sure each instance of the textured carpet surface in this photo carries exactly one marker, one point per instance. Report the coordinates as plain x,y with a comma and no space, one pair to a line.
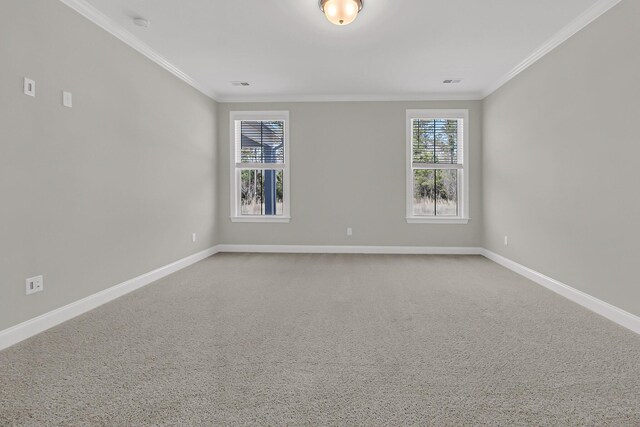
273,339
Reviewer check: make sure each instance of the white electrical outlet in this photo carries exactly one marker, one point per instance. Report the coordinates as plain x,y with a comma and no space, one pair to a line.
349,231
35,284
29,87
193,237
506,240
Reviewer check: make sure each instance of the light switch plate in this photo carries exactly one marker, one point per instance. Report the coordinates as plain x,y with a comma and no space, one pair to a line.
67,99
29,87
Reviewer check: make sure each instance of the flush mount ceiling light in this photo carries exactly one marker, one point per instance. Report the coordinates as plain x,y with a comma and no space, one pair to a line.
341,12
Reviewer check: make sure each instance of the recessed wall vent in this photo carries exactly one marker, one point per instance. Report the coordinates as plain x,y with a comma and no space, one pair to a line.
141,22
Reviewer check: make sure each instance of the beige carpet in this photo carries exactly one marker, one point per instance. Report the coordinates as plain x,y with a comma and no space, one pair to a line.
355,340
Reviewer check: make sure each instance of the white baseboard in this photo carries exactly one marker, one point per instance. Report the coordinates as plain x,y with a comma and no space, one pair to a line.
31,327
611,312
320,249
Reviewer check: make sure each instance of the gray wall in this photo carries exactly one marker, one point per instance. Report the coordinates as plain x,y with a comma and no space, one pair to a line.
348,170
561,150
113,188
103,192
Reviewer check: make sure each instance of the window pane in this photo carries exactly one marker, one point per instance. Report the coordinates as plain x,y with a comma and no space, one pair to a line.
260,141
447,192
435,192
424,192
261,192
435,141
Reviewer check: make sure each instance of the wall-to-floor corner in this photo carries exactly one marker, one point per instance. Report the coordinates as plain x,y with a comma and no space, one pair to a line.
105,191
559,162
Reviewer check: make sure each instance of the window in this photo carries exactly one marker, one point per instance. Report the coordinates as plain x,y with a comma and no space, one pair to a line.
259,166
437,166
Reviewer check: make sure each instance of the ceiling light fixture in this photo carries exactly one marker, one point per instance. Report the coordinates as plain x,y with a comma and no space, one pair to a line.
341,12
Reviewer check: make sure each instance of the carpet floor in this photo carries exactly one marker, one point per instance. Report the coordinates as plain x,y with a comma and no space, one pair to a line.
322,339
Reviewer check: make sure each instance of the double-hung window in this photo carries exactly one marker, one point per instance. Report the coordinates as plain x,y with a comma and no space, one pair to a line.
259,166
437,166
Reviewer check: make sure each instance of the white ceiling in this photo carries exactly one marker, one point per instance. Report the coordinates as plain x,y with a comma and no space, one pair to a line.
396,49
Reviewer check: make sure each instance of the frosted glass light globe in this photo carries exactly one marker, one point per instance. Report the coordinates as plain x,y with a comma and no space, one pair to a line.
341,12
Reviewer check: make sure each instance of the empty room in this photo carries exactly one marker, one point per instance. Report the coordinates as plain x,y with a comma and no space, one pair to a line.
319,213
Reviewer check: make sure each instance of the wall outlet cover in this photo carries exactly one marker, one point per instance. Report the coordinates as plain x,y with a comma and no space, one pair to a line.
34,284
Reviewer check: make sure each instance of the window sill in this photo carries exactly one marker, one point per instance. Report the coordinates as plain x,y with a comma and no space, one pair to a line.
273,219
425,220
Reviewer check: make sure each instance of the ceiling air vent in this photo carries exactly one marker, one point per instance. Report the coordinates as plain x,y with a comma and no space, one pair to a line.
451,81
240,84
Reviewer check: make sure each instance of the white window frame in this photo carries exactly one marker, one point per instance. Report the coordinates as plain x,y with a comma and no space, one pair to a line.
235,168
463,153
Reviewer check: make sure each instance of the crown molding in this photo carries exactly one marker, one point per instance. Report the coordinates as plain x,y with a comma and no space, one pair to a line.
94,15
464,96
587,17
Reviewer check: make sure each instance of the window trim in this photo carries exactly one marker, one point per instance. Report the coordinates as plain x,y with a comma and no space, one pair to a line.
463,192
234,175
